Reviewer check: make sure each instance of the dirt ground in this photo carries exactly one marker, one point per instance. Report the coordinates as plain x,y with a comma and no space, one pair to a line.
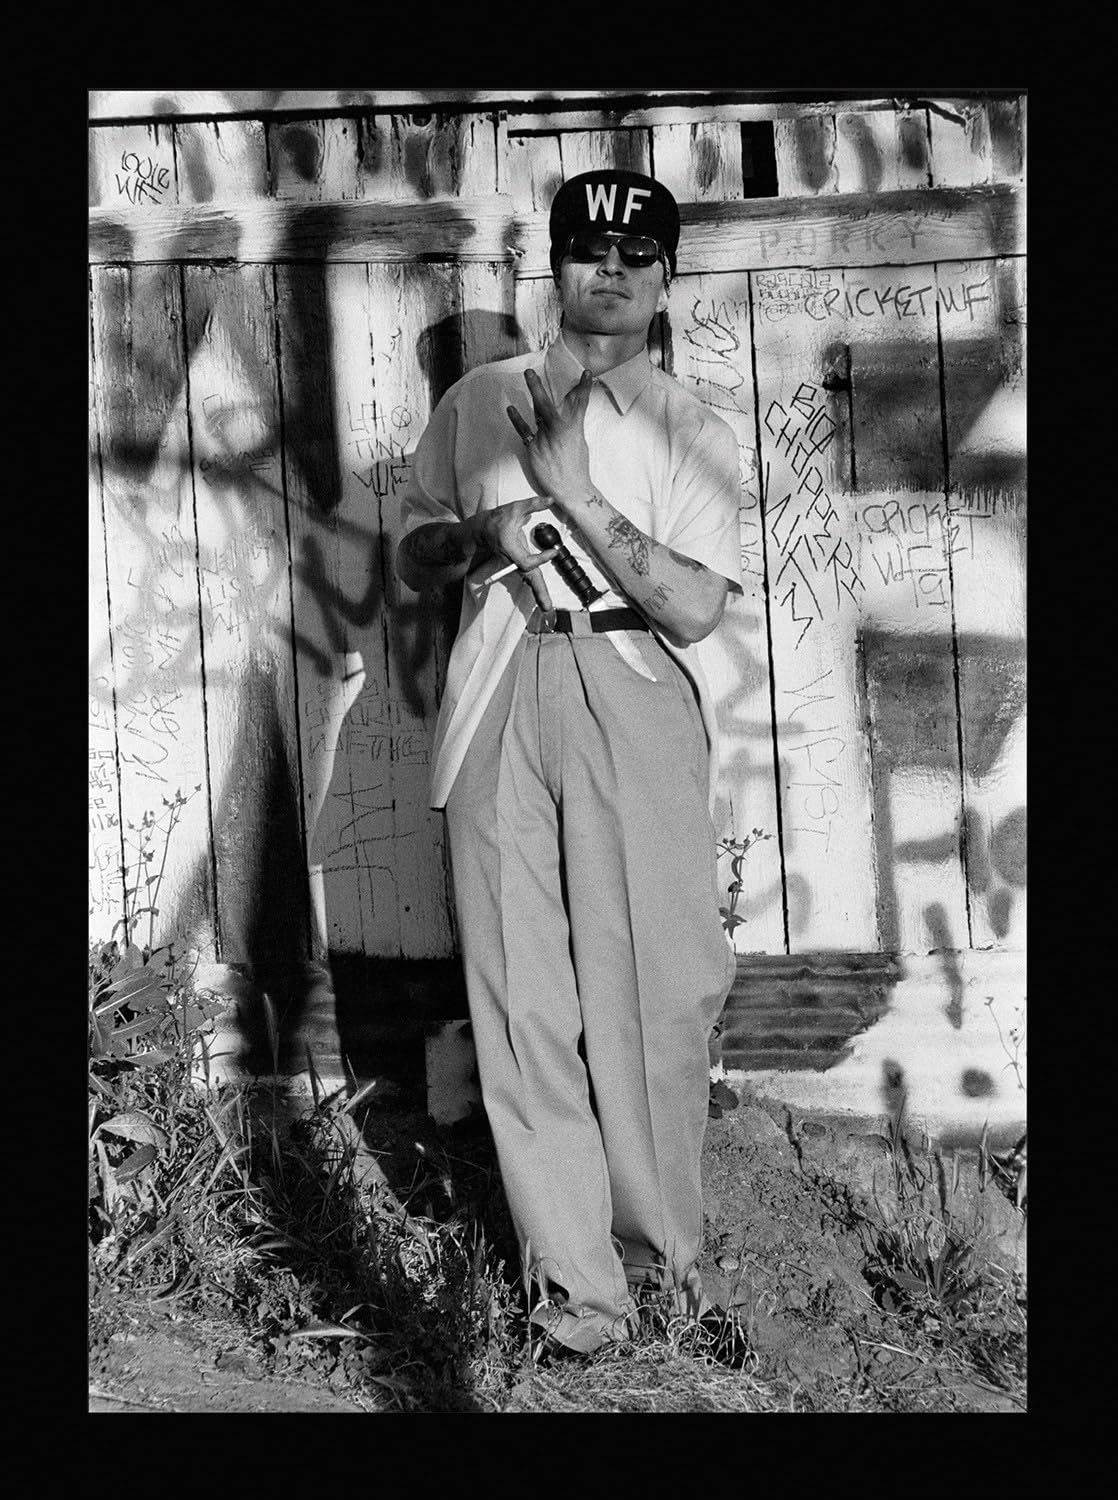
782,1243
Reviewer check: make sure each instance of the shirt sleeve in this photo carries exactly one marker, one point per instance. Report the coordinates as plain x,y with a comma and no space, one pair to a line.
431,490
706,498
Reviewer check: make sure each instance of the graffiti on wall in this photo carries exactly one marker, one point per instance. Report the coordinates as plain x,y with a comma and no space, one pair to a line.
258,638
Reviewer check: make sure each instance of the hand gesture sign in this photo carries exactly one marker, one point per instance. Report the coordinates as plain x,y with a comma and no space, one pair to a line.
500,531
556,457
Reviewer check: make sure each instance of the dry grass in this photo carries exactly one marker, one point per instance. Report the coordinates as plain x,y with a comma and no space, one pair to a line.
228,1207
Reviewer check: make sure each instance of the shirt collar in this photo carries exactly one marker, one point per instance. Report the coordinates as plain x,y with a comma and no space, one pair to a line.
624,382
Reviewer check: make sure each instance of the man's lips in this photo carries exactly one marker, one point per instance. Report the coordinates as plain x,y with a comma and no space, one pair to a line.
610,291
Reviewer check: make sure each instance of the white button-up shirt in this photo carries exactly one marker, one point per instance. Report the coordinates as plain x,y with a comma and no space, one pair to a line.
657,454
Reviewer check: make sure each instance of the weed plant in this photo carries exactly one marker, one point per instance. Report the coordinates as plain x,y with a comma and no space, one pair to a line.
926,1260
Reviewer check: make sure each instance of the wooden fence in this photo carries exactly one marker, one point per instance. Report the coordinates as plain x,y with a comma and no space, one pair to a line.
281,289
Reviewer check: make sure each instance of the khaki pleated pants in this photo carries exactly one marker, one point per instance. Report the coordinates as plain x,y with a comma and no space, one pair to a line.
583,859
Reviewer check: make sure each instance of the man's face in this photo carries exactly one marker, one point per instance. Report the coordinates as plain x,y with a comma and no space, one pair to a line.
609,297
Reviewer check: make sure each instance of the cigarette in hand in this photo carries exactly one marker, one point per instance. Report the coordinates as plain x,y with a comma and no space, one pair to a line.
499,574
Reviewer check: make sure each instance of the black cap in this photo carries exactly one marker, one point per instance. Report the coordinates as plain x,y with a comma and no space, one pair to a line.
613,199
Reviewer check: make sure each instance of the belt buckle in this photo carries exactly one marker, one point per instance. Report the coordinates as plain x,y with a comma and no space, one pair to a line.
545,622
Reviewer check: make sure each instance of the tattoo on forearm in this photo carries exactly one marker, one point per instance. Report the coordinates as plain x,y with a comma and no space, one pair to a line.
624,534
432,546
658,599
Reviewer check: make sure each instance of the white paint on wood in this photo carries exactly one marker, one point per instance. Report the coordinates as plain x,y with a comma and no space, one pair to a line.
537,313
955,1079
977,141
221,161
881,151
590,150
153,659
427,155
533,172
984,389
805,156
314,160
699,161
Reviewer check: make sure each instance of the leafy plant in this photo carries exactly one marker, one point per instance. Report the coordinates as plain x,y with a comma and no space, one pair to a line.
141,897
146,1033
737,849
145,1030
722,1096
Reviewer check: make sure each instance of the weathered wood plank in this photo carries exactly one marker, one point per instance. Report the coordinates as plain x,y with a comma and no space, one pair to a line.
415,158
711,352
880,151
106,851
699,161
815,593
533,172
582,108
153,658
311,161
538,312
978,141
805,156
1007,139
591,150
905,639
984,394
269,232
221,162
406,907
332,429
115,104
861,229
245,601
720,108
132,166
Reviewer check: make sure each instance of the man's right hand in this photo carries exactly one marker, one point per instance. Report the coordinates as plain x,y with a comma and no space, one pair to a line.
500,532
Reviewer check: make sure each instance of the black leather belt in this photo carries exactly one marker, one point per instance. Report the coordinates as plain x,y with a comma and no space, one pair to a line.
598,620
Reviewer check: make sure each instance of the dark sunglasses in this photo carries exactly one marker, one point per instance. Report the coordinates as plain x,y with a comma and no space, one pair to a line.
590,245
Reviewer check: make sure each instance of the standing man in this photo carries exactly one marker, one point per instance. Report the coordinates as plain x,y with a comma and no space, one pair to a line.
573,755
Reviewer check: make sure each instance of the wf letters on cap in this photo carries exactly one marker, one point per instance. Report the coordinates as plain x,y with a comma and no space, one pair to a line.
627,202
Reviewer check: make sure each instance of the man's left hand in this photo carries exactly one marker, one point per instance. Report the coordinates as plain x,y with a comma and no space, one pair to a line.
556,457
